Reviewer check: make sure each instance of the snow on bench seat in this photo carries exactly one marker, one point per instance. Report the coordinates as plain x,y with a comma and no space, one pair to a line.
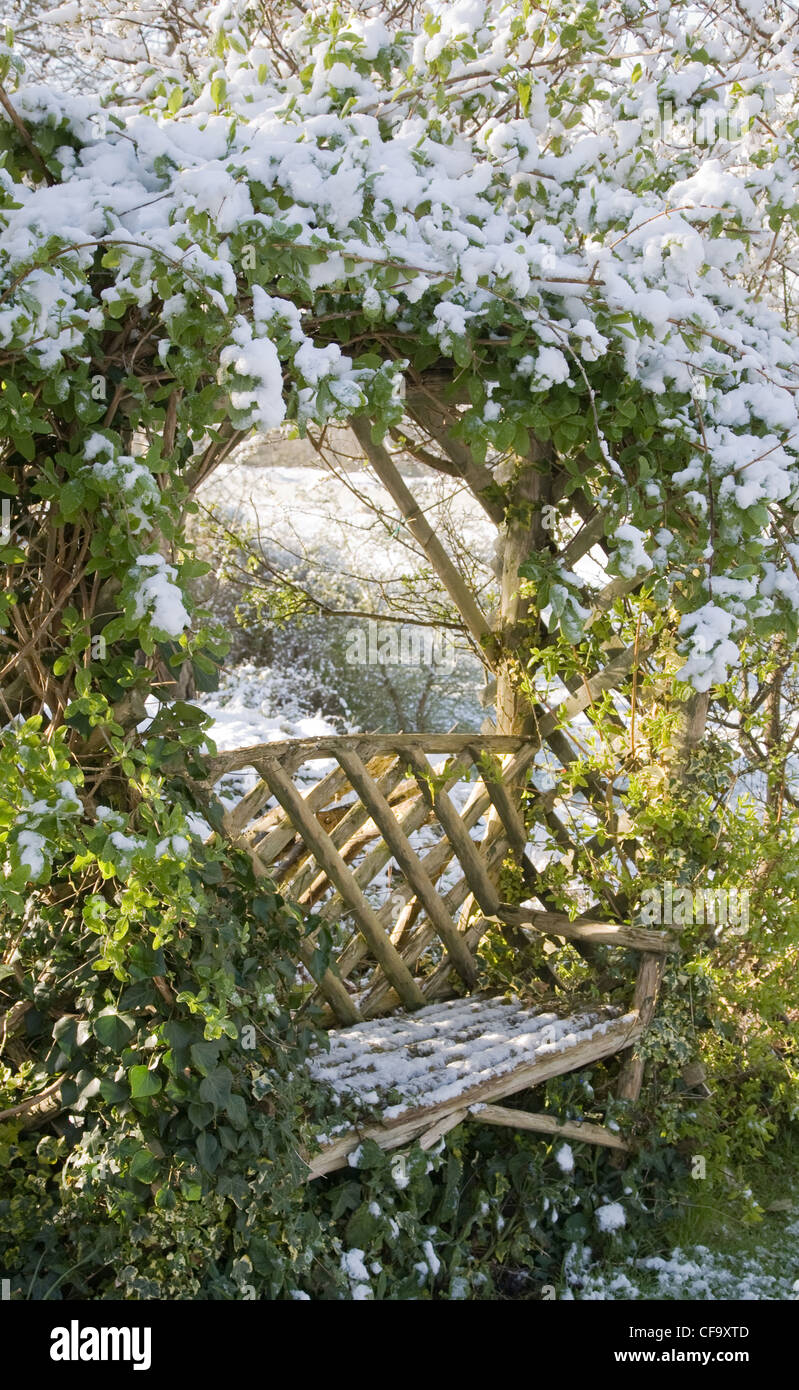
418,1068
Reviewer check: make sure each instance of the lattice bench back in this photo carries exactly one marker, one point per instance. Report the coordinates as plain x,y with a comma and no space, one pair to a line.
327,845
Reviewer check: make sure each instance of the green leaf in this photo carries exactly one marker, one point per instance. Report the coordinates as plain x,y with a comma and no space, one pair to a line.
112,1029
70,498
200,1115
143,1082
237,1111
208,1152
144,1166
25,446
215,1087
205,1055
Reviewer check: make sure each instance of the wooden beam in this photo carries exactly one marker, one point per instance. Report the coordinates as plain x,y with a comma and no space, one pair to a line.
591,531
583,1133
442,1126
466,850
434,862
351,833
602,933
344,1009
325,746
436,419
504,805
451,578
647,989
277,830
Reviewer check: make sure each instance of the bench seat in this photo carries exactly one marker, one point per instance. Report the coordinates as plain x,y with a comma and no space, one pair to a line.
425,1071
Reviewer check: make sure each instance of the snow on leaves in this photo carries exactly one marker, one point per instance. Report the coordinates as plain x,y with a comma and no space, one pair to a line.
495,188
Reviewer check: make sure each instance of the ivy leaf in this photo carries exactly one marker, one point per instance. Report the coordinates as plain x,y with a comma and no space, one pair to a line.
143,1082
215,1087
208,1152
237,1189
205,1055
112,1029
144,1166
237,1111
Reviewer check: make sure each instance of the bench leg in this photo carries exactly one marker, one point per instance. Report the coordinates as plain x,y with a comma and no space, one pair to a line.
647,988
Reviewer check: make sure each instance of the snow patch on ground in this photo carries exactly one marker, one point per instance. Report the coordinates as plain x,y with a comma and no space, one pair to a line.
244,709
696,1272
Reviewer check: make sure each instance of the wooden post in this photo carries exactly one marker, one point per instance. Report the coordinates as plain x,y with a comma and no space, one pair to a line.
647,988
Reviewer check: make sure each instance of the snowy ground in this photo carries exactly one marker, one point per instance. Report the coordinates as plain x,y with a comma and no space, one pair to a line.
769,1271
334,519
261,705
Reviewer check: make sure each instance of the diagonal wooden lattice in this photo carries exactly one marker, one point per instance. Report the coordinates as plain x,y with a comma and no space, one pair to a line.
384,803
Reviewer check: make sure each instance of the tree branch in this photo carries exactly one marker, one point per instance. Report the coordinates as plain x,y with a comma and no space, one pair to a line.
422,532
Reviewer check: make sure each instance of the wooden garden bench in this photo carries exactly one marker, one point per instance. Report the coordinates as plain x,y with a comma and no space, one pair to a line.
400,1044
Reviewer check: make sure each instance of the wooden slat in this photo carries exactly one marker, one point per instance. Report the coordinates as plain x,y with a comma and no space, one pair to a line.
423,533
457,834
406,1127
409,862
380,997
583,1133
348,836
342,1004
437,983
608,678
592,531
249,806
280,835
601,933
338,872
507,811
443,1126
434,862
344,1008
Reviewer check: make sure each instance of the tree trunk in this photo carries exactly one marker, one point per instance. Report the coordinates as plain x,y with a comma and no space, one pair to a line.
522,535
